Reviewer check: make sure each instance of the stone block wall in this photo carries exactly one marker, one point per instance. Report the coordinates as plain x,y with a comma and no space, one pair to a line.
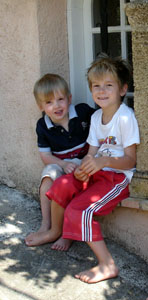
137,13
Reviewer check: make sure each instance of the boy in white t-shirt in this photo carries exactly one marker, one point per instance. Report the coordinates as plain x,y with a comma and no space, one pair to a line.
101,181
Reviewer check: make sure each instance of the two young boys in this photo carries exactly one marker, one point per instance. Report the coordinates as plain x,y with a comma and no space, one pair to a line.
101,181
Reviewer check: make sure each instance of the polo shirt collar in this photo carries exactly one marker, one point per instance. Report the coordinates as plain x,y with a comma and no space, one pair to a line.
72,114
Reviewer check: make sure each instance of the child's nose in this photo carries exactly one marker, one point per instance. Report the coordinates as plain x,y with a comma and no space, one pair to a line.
56,103
102,89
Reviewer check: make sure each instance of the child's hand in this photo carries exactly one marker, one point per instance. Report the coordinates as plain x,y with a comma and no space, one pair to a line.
91,164
69,167
80,175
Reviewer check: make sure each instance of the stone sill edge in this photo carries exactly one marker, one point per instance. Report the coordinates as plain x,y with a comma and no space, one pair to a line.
137,203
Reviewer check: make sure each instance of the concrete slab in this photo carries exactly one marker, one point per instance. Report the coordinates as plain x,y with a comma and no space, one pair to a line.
39,273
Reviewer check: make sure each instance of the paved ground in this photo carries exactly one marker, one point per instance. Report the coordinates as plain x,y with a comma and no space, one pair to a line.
43,274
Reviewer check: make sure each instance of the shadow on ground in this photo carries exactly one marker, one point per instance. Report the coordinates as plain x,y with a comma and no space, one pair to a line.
39,273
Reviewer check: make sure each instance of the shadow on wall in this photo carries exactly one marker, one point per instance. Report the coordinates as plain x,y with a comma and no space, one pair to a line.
38,273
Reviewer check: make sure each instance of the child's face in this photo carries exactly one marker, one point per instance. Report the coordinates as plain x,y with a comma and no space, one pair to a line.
57,107
106,91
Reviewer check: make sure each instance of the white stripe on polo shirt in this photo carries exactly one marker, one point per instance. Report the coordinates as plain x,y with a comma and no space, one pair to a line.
70,150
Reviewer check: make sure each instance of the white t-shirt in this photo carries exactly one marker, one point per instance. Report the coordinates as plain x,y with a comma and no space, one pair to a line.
111,139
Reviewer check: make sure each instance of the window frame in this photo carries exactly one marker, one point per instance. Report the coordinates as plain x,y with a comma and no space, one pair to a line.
80,39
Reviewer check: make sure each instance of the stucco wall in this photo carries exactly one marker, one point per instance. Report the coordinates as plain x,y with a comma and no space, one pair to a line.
129,227
33,41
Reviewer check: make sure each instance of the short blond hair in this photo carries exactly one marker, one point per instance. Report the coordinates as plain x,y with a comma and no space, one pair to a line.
118,67
46,86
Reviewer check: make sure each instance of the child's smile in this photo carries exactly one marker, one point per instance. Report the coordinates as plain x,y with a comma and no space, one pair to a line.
57,108
59,113
106,91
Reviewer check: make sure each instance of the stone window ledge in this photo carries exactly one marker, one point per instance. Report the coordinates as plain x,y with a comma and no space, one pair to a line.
141,204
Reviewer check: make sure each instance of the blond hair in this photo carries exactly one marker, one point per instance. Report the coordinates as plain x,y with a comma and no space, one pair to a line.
46,86
118,67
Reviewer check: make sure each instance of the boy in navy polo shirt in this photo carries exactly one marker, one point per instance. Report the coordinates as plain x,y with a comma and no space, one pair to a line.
62,134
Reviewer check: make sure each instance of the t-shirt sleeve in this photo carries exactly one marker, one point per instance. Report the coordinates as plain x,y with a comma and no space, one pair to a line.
92,138
129,130
43,144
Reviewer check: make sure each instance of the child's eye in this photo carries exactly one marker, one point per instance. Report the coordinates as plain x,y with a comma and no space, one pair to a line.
96,85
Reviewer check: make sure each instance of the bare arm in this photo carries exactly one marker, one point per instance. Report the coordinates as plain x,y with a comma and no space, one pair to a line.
92,150
94,164
47,158
125,162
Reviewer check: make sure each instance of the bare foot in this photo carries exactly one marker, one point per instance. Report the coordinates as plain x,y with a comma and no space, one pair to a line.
31,238
61,244
98,273
44,226
40,238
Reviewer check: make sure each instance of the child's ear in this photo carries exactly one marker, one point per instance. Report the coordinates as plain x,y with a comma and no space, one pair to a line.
40,107
124,90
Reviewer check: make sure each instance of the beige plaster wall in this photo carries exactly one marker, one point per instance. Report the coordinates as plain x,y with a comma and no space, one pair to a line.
129,227
33,41
52,29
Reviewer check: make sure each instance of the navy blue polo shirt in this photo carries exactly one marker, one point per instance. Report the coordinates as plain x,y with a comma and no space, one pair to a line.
62,143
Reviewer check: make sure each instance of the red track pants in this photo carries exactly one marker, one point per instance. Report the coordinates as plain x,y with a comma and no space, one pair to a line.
82,201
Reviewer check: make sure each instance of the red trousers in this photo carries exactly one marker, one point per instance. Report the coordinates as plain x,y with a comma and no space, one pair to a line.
82,201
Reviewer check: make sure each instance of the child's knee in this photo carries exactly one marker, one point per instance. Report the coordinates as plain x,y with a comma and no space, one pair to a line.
45,185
